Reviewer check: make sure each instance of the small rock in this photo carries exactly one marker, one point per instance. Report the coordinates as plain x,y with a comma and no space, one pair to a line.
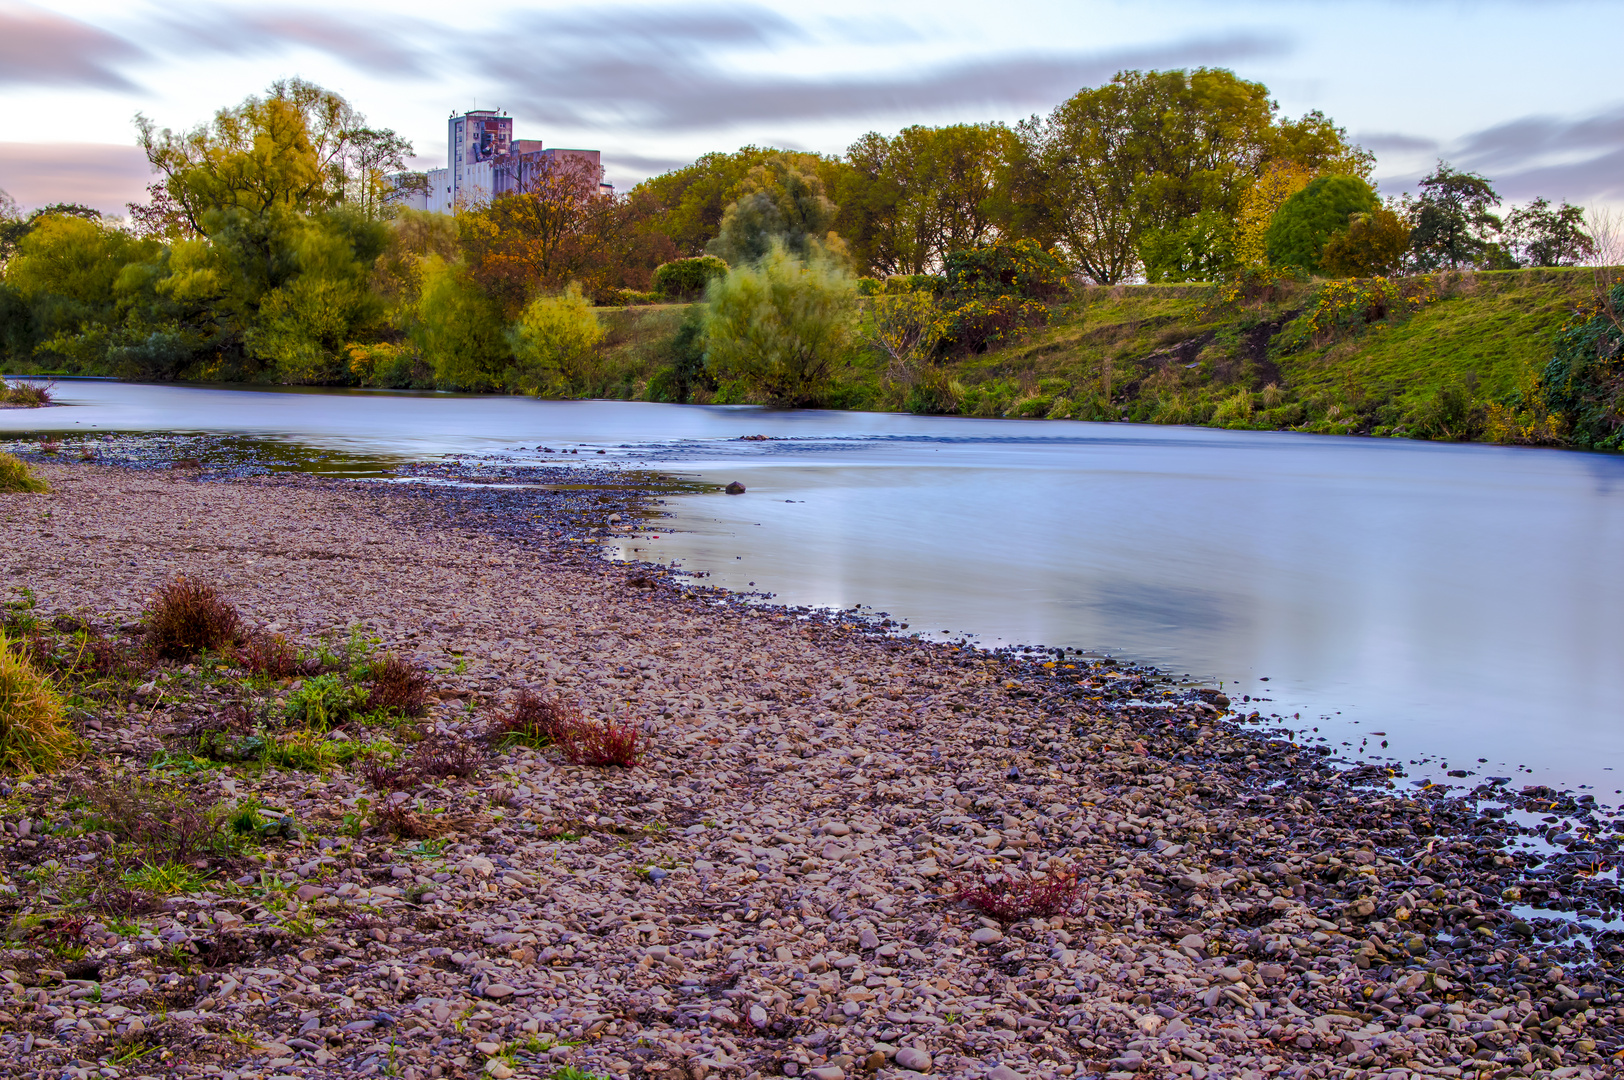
911,1057
499,1069
1004,1072
736,488
987,936
868,939
827,1072
1192,941
758,1016
498,991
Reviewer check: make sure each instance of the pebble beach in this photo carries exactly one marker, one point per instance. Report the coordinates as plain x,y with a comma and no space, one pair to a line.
786,883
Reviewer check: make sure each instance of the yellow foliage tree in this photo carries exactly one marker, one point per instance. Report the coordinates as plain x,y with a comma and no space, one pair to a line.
1279,182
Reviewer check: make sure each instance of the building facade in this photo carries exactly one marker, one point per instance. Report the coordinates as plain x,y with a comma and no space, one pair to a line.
483,160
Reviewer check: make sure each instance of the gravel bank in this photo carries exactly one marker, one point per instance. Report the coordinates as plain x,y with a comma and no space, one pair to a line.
768,893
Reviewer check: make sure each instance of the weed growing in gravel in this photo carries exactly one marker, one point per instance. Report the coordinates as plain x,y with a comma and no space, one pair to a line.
165,878
164,824
274,656
1009,899
397,817
442,755
187,617
605,743
33,734
17,478
397,687
535,720
325,702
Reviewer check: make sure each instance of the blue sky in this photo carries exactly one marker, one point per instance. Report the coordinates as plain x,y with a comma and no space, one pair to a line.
1525,92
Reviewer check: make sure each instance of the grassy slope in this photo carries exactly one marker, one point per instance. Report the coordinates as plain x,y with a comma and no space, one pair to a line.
1167,354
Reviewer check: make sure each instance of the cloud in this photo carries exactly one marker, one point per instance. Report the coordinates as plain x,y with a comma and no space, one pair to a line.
1396,142
1579,159
102,175
647,83
38,48
382,50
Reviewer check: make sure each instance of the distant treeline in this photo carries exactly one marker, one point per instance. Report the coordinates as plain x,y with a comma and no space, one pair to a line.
270,250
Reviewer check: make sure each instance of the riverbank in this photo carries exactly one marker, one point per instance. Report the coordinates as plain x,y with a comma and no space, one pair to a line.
769,892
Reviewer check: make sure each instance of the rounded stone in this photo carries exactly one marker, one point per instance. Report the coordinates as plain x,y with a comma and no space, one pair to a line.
987,936
911,1057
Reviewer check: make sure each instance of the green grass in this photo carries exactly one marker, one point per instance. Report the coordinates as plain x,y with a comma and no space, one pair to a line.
17,478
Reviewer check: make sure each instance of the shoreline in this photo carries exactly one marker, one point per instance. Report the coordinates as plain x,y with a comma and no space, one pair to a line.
815,787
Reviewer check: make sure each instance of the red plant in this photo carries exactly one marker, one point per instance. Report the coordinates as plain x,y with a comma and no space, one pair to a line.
398,687
606,743
275,656
535,720
394,816
187,617
1009,899
445,755
385,776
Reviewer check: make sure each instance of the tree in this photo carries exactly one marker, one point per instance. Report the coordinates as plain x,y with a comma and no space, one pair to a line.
909,199
1299,229
161,216
687,204
1136,161
370,155
780,204
1279,181
1450,222
780,325
1373,245
553,342
1540,234
459,329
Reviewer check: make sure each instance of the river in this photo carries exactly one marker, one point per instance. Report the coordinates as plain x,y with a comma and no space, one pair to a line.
1456,602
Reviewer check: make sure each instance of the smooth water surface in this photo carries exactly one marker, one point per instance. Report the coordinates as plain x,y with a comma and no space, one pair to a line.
1463,601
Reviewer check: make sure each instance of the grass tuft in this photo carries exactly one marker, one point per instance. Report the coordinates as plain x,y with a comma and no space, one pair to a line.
17,478
33,734
188,617
274,656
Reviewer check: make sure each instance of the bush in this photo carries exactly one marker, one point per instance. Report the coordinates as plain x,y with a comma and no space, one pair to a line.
33,735
28,395
397,687
1299,229
188,617
275,656
606,743
553,343
16,477
165,824
325,702
685,280
534,720
977,325
779,326
1018,268
1583,384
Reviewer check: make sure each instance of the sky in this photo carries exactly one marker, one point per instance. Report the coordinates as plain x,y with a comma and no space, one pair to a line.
1523,91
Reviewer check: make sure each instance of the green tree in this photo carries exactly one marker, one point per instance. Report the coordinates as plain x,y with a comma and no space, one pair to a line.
687,279
1143,156
687,204
1374,244
779,204
554,341
1299,229
1583,384
459,329
780,325
909,199
1450,221
1540,234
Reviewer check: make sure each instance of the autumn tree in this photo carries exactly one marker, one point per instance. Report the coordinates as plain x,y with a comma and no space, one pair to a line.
779,203
1373,245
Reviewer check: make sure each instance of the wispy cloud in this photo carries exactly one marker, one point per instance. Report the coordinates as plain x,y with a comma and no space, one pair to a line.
96,174
646,83
1579,158
362,42
39,48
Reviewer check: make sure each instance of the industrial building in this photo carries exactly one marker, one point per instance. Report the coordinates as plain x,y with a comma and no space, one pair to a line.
484,160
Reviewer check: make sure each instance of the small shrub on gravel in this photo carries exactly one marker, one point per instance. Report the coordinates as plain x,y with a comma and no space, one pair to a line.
17,478
446,755
29,395
606,743
396,816
274,656
164,824
188,617
535,720
1009,899
386,775
33,734
397,687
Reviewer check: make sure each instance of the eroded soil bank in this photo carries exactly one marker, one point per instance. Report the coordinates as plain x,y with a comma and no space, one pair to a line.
769,891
